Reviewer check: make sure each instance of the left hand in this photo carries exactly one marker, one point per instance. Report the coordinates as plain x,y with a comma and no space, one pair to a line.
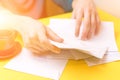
86,9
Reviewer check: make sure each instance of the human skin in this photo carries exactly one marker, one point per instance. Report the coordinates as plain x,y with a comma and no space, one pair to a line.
86,9
35,35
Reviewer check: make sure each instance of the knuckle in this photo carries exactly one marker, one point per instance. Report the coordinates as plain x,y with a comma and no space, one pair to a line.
87,23
93,22
78,21
89,10
43,41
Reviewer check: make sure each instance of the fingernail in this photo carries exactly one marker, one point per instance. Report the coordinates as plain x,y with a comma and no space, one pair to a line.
84,38
61,40
57,51
76,35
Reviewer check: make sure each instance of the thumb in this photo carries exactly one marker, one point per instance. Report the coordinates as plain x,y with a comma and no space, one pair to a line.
73,14
53,36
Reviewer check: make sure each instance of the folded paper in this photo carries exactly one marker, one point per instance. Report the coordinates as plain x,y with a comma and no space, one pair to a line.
98,50
109,57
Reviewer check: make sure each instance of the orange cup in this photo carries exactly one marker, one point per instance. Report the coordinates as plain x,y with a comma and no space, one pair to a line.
7,39
8,46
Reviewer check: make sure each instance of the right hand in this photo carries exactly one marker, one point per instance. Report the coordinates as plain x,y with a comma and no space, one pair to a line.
36,36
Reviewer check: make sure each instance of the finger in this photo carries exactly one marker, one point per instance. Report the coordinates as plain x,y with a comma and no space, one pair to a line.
98,24
35,51
73,14
46,44
93,26
42,45
34,43
78,23
86,28
50,47
42,38
41,48
54,49
53,36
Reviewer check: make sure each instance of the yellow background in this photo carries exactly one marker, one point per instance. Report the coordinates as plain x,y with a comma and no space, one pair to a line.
75,70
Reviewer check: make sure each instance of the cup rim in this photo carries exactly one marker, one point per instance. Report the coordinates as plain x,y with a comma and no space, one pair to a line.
8,36
16,49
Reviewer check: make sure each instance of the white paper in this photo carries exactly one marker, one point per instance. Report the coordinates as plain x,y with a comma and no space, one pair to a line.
51,66
109,57
65,28
67,54
96,46
28,63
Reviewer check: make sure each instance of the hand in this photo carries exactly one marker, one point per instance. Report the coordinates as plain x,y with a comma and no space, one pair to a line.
87,10
35,35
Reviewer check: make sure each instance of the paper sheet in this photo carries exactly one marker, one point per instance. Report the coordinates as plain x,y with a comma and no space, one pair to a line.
28,63
67,54
109,57
52,65
104,41
65,28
